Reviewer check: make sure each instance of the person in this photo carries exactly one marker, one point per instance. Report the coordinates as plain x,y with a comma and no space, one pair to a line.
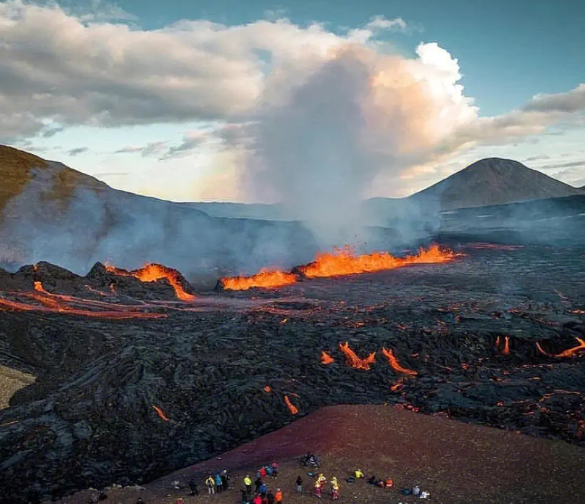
321,479
270,497
268,470
274,468
263,490
224,479
317,489
257,499
210,484
179,501
262,472
299,484
359,474
218,483
334,488
248,483
389,483
245,495
139,501
258,484
193,487
278,496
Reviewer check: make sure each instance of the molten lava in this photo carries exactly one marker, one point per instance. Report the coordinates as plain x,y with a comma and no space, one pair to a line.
570,352
39,287
266,279
337,263
394,364
326,358
345,262
160,413
354,361
154,272
291,407
506,350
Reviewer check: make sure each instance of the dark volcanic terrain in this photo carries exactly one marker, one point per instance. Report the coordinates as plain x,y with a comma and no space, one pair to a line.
132,384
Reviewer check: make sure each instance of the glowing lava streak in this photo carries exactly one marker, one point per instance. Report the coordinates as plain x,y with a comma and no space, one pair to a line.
345,262
354,361
291,407
506,350
394,364
160,413
326,358
570,352
266,279
154,272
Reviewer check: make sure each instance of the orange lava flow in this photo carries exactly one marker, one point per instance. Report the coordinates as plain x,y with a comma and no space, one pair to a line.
154,272
354,361
51,306
506,350
291,407
265,279
326,358
160,413
394,364
39,287
344,262
570,352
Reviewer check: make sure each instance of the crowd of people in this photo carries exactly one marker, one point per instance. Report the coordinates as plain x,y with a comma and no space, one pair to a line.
261,489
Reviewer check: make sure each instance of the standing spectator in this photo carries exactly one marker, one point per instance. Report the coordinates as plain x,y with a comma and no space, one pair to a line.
258,484
278,496
299,484
193,487
274,468
224,479
248,483
179,501
218,483
257,499
270,497
262,472
263,490
210,484
317,489
245,495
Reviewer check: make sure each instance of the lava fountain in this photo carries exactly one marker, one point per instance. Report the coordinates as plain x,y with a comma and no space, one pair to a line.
154,272
340,262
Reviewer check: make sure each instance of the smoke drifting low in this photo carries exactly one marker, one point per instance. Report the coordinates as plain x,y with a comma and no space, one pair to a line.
322,142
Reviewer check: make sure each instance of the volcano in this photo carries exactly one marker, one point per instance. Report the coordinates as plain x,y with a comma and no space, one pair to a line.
493,338
493,181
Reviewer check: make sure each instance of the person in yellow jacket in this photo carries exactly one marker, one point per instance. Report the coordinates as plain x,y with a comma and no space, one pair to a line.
358,474
334,488
248,483
321,479
210,483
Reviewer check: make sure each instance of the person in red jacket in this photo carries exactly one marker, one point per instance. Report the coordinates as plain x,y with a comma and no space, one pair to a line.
257,499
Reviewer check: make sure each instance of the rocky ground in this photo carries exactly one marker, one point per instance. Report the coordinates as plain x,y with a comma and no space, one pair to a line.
128,400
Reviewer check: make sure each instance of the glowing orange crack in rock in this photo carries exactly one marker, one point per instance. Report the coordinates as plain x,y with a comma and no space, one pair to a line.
291,407
354,361
570,352
160,413
394,364
326,358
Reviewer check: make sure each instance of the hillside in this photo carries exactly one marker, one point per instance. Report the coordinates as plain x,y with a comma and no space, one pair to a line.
51,212
431,452
492,181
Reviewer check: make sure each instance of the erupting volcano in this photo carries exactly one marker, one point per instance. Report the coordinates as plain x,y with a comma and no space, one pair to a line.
340,262
154,272
265,279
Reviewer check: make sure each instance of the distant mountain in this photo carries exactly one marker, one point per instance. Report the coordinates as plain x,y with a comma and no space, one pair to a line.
492,181
54,213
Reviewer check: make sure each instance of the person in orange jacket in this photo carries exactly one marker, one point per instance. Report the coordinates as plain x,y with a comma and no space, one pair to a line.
278,496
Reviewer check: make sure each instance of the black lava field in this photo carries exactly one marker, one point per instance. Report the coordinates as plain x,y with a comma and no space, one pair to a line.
132,383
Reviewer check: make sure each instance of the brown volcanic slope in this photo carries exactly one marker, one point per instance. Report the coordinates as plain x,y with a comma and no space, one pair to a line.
493,181
457,463
16,169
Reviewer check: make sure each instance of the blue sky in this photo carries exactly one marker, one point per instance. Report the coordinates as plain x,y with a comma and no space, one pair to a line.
98,111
